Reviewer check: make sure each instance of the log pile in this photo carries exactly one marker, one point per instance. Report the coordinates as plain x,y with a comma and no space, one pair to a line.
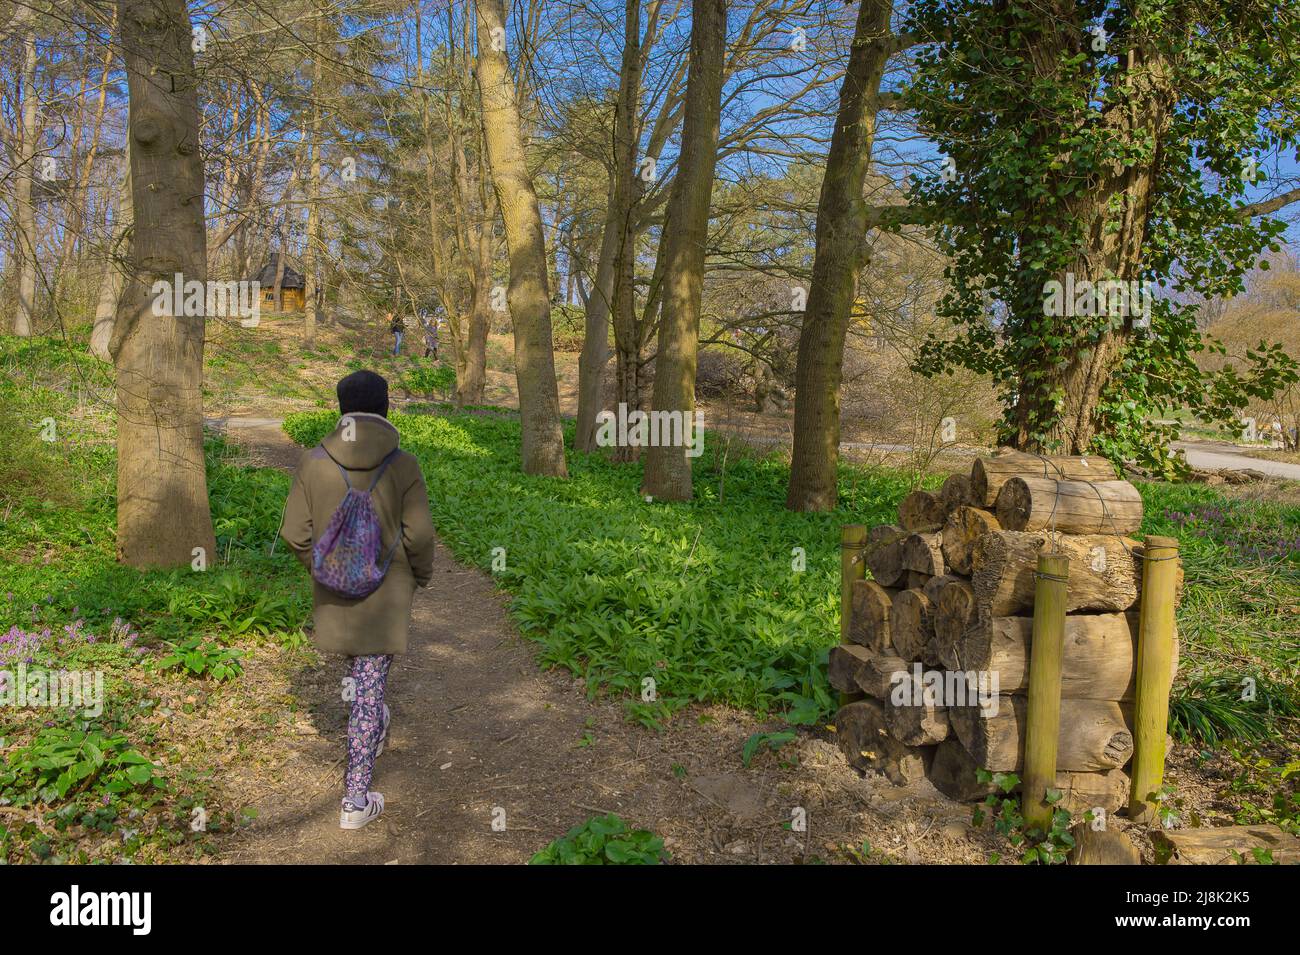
936,666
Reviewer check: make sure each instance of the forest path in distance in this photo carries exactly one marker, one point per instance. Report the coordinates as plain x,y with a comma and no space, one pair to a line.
491,757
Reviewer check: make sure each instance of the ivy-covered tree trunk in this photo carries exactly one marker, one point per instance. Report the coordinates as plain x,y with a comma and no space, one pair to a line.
162,496
667,468
841,240
1097,153
1063,416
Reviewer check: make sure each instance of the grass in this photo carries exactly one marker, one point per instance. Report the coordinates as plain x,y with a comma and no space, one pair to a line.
1239,640
269,370
1241,561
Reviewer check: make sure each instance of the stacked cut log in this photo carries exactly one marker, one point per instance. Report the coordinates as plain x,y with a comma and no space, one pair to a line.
940,633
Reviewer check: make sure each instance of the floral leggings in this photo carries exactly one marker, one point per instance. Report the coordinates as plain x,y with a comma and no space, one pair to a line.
366,724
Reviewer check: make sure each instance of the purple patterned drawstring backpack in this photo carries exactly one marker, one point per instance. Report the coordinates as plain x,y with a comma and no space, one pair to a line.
346,558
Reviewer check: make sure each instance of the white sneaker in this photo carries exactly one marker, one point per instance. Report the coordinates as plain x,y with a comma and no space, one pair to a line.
383,737
356,818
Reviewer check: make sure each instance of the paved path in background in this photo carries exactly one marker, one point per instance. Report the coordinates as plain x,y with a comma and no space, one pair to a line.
1226,456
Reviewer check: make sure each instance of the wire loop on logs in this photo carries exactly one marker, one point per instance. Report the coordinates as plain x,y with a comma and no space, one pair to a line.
1054,535
1039,575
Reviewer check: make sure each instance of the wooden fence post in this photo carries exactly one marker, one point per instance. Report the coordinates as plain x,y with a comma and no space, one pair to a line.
853,566
1154,674
1043,711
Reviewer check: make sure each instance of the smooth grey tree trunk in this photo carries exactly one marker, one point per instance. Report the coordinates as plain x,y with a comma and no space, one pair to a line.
162,497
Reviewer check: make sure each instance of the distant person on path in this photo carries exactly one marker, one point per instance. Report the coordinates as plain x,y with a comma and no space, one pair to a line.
431,336
398,327
388,546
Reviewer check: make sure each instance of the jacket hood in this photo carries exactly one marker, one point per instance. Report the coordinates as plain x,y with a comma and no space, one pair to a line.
373,438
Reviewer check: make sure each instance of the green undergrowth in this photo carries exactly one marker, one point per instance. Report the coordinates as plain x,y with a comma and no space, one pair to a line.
1237,620
728,599
61,562
101,781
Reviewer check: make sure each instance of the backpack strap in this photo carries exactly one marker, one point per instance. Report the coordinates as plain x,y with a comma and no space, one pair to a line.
392,551
383,466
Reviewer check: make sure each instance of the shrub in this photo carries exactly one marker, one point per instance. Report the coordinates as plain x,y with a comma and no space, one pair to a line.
429,380
718,373
568,327
604,840
60,762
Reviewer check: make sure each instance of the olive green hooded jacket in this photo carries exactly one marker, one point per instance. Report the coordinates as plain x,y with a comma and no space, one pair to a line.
379,622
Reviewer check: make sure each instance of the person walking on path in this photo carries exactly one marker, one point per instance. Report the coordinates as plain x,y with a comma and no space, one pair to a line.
392,554
397,326
431,337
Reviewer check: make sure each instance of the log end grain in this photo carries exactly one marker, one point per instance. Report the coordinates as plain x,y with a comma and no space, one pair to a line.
923,553
884,554
843,665
955,492
922,511
869,623
954,614
963,528
911,623
863,736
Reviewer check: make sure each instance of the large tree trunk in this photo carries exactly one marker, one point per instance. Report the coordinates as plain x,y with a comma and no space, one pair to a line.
617,240
25,211
528,295
1114,211
841,233
116,267
162,495
667,468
